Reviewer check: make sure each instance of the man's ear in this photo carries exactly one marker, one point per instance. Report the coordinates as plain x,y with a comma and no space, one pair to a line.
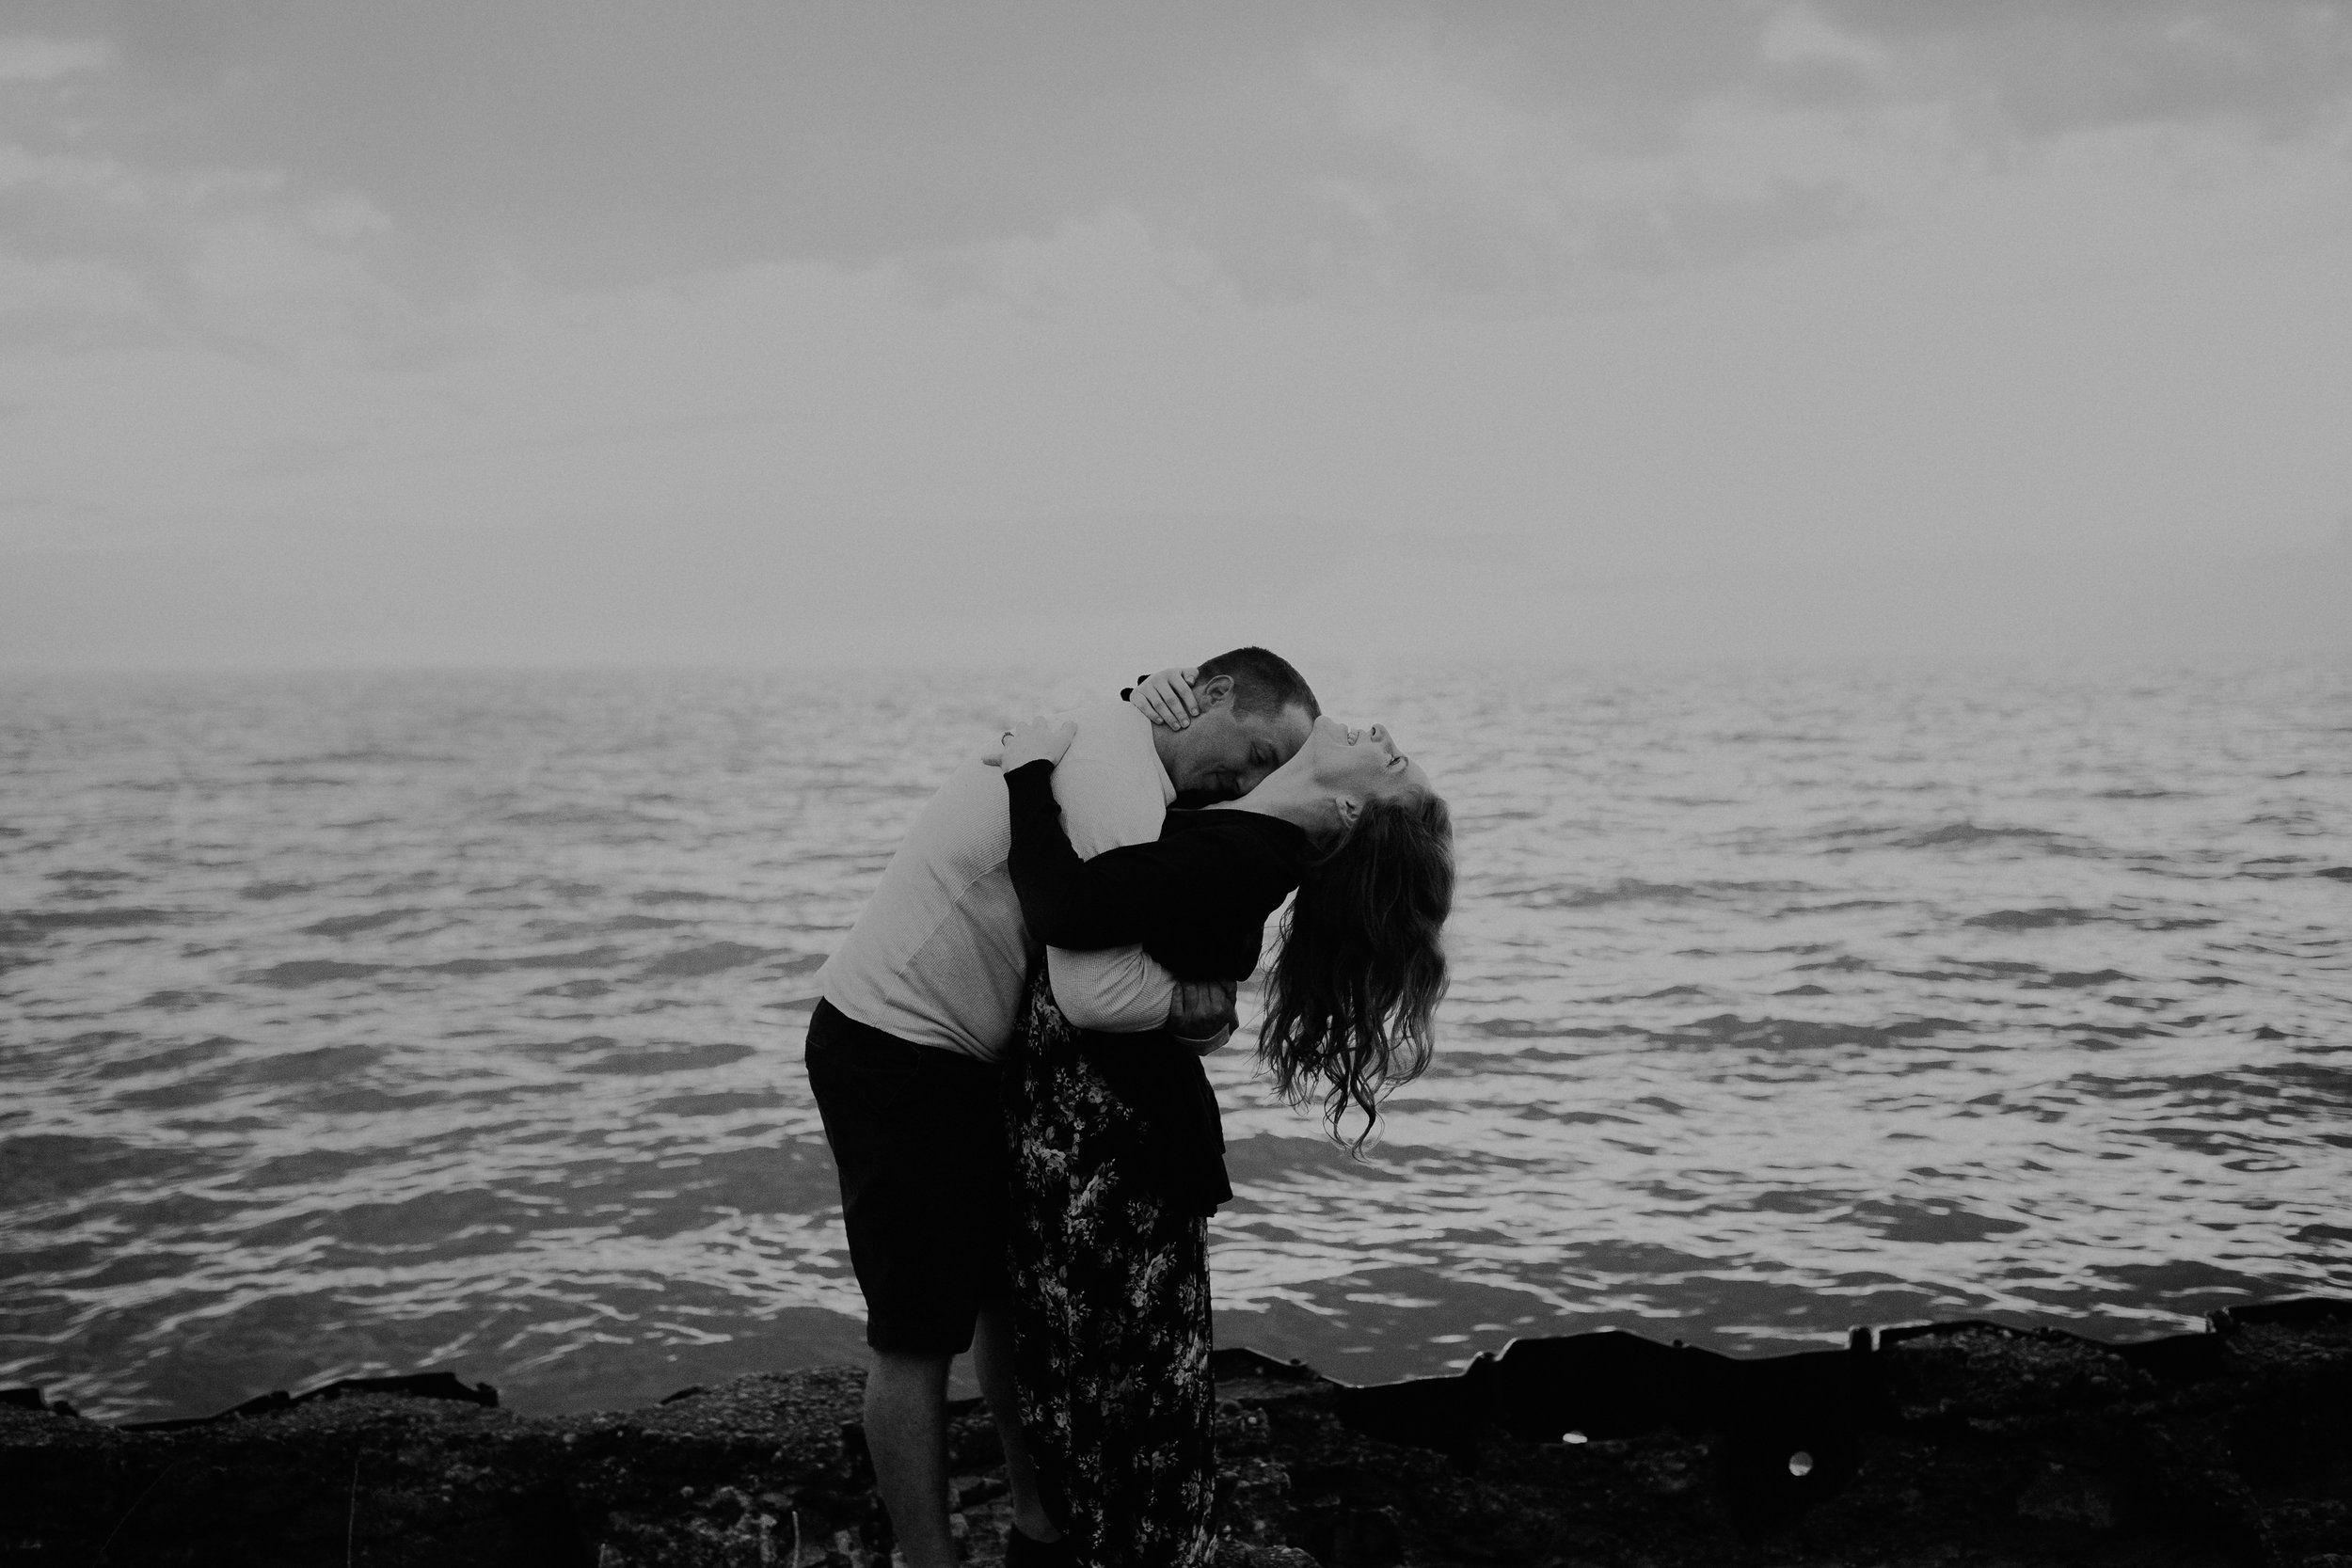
1216,689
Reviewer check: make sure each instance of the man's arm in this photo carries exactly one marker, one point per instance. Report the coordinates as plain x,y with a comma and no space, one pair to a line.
1118,989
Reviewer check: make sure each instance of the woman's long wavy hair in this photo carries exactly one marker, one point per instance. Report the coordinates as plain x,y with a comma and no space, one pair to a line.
1362,965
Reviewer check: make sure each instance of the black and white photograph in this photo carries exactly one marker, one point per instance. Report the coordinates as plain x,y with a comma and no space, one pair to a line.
1313,784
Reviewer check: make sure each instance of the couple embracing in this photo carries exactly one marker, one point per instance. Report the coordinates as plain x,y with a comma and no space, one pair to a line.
1008,1061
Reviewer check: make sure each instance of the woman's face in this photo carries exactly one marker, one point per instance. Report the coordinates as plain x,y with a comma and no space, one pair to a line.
1361,761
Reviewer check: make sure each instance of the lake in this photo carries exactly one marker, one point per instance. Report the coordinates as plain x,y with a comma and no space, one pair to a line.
366,1023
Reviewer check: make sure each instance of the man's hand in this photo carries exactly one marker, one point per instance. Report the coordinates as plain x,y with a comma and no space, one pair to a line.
1202,1013
1165,698
1041,739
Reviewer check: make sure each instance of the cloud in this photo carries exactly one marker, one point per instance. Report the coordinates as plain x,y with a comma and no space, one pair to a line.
1496,152
67,290
93,248
597,143
2036,70
37,60
464,310
1800,34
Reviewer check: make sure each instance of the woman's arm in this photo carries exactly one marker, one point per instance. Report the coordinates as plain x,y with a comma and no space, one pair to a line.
1135,894
1165,697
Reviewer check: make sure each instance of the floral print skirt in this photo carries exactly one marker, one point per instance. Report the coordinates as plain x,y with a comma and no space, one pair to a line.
1110,1287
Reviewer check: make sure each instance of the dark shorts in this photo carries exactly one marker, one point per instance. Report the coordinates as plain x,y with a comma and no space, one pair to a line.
918,1137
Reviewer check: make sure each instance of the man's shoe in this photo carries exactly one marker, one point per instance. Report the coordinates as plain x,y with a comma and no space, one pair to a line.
1026,1551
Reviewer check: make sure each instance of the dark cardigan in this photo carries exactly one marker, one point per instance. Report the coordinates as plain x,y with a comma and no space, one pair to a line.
1197,900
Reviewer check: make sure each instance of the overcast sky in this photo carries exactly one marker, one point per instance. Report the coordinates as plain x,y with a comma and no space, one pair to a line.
451,332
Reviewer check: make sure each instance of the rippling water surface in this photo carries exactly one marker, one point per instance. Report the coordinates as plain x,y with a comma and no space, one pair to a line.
369,1024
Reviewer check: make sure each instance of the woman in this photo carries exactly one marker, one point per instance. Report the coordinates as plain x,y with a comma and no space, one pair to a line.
1117,1155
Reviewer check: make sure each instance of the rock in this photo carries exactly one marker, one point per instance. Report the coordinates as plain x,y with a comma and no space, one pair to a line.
1962,1443
1990,1373
1234,1554
1241,1430
2062,1497
1367,1537
1252,1500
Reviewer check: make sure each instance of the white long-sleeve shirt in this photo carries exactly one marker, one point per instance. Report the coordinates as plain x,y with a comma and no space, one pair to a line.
940,951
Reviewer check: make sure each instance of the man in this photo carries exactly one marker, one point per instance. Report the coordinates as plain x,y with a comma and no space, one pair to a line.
918,1005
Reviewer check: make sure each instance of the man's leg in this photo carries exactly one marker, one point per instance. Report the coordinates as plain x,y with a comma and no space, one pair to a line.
918,1141
906,1431
992,1363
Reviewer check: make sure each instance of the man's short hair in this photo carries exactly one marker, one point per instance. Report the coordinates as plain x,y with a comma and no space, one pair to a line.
1264,684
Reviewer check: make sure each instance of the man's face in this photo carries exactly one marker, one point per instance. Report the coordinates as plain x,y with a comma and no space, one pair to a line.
1225,754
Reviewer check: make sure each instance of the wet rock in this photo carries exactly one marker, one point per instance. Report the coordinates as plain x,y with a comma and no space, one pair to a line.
431,1480
1989,1374
2062,1497
1241,1430
1234,1554
1252,1500
1963,1444
1365,1538
2300,1528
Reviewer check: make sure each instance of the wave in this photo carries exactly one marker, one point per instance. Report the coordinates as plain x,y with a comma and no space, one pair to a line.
2068,979
42,1166
1968,832
170,1059
576,991
351,925
365,756
583,816
318,1064
585,958
2046,919
1933,1223
1632,890
296,972
1962,834
565,930
176,1001
1838,906
708,959
18,926
1793,1034
2032,920
667,1058
1529,1029
720,1102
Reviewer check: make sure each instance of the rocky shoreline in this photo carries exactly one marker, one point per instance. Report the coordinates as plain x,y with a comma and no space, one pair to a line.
1942,1444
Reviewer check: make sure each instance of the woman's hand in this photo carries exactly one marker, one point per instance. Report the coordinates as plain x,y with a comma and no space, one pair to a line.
1041,739
1201,1013
1165,698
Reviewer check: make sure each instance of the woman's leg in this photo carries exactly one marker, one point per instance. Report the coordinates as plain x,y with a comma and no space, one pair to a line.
993,1363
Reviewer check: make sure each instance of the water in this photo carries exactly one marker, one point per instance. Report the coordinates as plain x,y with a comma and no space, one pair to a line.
361,1025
